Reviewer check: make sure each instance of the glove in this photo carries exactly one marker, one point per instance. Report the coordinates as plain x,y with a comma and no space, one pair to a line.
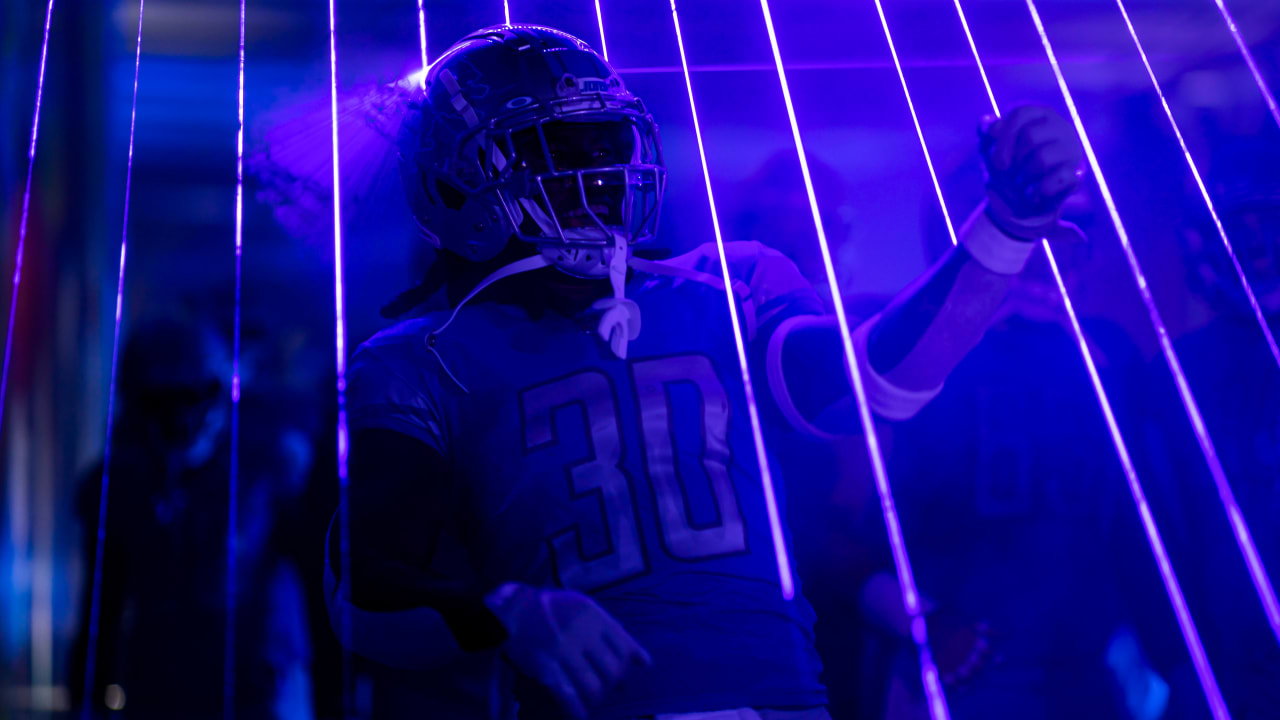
565,641
1033,162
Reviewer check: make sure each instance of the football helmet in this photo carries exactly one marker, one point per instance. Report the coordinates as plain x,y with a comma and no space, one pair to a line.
525,131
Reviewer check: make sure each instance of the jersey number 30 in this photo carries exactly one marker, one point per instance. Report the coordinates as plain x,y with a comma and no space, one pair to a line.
601,473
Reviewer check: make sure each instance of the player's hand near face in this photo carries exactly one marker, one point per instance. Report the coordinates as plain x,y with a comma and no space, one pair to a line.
566,642
1033,161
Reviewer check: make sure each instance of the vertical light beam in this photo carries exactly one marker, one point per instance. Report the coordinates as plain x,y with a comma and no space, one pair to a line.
785,576
422,36
1243,537
26,206
915,120
604,47
906,579
340,352
233,489
95,601
1186,624
1248,60
506,12
1204,193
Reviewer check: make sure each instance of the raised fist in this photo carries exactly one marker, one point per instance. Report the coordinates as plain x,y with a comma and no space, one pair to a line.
1033,161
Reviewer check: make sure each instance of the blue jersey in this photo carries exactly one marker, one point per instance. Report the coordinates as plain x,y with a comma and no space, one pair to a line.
634,480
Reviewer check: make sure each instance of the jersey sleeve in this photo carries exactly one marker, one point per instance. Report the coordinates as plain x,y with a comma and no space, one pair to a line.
768,285
389,388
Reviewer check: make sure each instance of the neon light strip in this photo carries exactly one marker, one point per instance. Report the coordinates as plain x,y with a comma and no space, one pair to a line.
915,120
604,47
785,576
95,601
1248,60
1162,334
982,70
506,11
422,36
26,206
340,350
233,490
906,579
1185,622
1266,592
1213,212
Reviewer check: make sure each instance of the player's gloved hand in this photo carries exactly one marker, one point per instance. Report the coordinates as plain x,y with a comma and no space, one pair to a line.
566,642
1033,160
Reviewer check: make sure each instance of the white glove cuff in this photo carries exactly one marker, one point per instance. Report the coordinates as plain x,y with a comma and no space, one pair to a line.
991,247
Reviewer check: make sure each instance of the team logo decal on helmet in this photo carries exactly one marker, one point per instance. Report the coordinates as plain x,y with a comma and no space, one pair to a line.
526,131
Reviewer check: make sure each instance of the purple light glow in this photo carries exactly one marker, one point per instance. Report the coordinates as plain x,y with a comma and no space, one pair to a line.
506,12
604,47
785,576
233,488
1162,333
906,579
1248,60
1213,211
422,36
1185,622
95,601
26,206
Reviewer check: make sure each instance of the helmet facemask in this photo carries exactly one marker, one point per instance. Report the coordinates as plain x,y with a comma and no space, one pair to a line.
576,179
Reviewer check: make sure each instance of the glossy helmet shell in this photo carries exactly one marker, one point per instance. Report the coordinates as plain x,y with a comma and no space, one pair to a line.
471,187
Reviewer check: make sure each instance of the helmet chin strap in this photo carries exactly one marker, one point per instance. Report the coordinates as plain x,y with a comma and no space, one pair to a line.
619,317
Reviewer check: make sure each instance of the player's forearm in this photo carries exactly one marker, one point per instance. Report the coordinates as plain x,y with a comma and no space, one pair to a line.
917,341
906,352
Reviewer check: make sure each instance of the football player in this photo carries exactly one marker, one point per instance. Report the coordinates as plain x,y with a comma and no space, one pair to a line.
535,472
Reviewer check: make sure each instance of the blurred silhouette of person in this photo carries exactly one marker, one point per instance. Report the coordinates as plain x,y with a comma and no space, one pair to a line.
165,594
1236,383
1013,504
775,212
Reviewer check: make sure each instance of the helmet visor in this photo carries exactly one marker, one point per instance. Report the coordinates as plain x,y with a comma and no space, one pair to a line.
582,182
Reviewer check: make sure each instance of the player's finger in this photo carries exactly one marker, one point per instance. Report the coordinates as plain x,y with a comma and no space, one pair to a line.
1009,128
1058,183
621,642
609,666
1046,157
584,677
1034,137
554,679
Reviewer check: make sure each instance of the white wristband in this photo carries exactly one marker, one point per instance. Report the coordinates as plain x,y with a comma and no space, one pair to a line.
887,400
991,247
